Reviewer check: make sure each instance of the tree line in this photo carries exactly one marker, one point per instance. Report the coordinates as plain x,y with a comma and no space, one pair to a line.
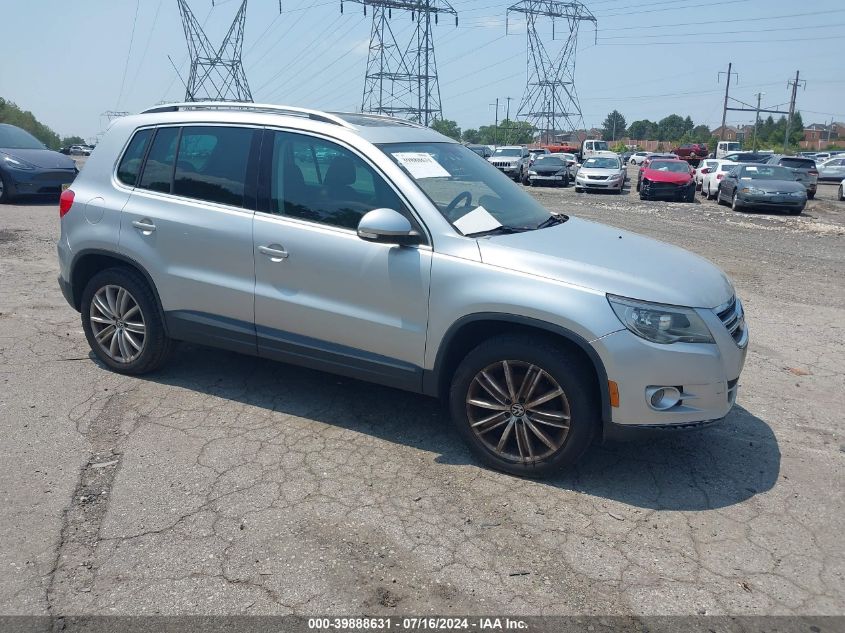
12,114
673,129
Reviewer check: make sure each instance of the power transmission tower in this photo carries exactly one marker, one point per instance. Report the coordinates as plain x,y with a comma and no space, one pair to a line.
401,78
215,75
550,98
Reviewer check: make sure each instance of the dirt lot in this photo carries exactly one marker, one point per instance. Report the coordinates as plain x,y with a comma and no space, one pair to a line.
226,484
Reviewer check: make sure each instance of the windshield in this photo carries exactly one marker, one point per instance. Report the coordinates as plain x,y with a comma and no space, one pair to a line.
799,163
548,160
565,156
508,151
731,147
670,165
599,145
467,190
12,137
767,172
601,163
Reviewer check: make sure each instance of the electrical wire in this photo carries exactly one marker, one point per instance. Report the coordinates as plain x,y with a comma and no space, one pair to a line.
128,53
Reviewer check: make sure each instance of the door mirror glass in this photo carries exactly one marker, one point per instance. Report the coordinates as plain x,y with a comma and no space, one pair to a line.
387,226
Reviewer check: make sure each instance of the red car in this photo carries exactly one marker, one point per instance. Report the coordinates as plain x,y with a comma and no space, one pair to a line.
692,150
667,178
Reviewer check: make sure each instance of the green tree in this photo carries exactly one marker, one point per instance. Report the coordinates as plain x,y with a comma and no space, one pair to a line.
508,133
471,136
642,130
447,128
671,128
67,141
12,114
613,126
700,134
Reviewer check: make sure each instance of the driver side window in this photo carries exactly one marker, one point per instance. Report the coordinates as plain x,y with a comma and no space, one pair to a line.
321,181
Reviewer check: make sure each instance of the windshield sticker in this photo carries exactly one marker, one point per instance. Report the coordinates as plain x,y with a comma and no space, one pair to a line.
476,221
750,169
421,165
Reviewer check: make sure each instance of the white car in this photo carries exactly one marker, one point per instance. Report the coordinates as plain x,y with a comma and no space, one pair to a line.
703,168
710,182
637,158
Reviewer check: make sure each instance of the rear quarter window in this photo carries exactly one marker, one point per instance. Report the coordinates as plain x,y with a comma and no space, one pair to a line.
130,164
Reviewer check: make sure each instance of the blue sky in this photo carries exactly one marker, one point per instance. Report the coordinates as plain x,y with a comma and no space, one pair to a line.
66,61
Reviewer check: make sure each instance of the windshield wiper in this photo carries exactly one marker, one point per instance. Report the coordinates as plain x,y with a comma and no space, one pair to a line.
499,230
554,218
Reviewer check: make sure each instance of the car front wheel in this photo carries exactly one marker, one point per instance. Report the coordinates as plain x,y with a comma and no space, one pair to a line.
524,406
5,192
841,193
122,322
735,205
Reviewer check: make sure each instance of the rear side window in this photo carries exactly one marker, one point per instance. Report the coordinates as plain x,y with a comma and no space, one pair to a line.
798,163
130,164
212,164
158,170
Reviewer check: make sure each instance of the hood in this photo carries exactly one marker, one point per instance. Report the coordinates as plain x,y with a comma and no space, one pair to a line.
551,169
596,171
613,261
666,176
774,186
43,158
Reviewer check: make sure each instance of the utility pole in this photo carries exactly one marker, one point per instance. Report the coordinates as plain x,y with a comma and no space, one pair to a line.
550,91
757,121
725,107
794,85
496,128
508,119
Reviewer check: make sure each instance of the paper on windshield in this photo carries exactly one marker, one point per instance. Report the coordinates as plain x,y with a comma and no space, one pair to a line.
476,221
421,165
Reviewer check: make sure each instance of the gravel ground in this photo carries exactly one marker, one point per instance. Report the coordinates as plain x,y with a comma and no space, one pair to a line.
226,484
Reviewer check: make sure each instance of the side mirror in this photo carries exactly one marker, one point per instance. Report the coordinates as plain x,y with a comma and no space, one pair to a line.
387,226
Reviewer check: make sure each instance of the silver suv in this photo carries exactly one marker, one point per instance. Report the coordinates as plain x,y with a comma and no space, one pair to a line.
378,249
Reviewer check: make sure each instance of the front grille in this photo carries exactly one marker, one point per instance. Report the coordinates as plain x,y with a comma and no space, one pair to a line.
663,186
502,163
597,177
733,318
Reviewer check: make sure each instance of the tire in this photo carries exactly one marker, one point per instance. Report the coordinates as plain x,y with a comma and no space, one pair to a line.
796,211
525,180
524,355
690,196
841,195
578,189
5,191
735,206
632,162
128,357
639,185
811,195
719,196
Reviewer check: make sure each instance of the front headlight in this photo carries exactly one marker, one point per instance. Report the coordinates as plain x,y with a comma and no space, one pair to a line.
799,194
752,190
16,163
660,323
531,172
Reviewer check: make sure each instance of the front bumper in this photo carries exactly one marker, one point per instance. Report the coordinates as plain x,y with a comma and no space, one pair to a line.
666,190
707,375
38,181
771,202
587,183
551,179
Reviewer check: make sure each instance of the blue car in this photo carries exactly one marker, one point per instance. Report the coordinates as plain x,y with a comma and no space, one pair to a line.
27,167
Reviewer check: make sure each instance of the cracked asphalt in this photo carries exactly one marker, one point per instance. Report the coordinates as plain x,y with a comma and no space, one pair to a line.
230,485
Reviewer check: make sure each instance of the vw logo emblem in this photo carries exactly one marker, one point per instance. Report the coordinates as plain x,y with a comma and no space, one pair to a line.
517,410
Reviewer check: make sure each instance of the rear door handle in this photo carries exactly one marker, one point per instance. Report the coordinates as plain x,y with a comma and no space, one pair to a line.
275,252
144,225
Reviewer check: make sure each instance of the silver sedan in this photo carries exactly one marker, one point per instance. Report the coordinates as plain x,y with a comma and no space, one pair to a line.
601,172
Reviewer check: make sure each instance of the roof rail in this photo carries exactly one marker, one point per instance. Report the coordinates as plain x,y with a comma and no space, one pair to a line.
382,117
314,115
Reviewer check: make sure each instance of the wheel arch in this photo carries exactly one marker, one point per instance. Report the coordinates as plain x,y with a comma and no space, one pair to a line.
471,330
89,262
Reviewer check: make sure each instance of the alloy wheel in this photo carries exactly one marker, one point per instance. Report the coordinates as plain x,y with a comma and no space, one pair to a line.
117,323
518,411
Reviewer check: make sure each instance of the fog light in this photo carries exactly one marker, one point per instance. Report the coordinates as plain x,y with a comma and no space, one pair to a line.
662,398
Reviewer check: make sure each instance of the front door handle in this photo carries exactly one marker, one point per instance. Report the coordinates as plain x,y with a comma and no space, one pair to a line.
275,252
144,225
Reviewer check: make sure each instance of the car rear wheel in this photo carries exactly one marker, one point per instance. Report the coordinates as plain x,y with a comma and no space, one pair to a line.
524,406
811,195
735,205
122,322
